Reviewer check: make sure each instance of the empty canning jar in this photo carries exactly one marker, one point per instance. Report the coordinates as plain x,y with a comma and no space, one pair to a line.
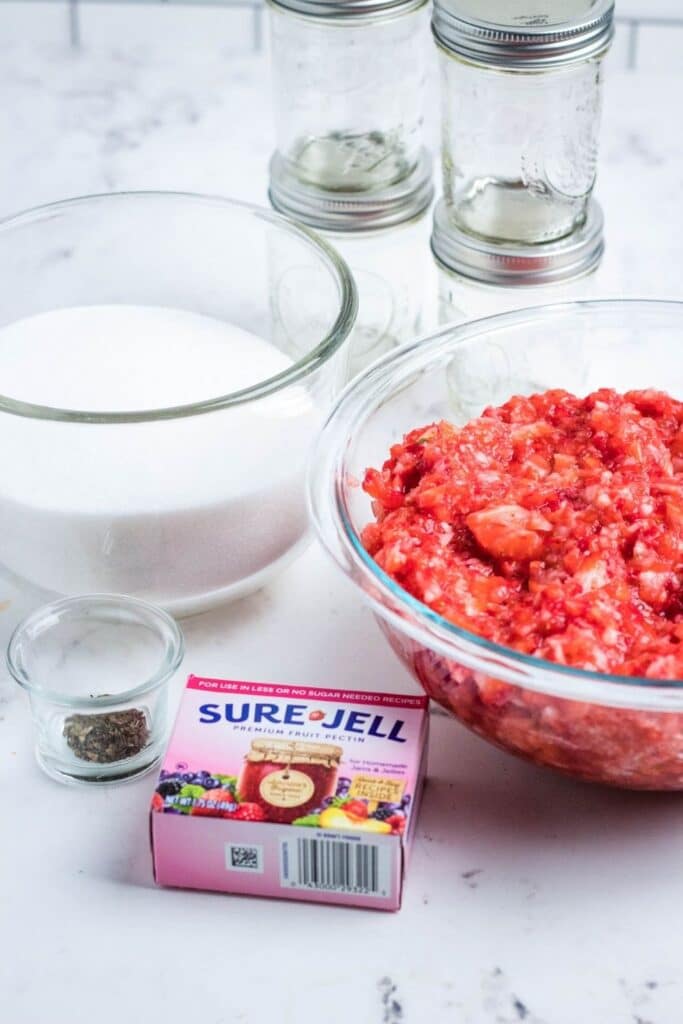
521,97
348,80
383,237
479,278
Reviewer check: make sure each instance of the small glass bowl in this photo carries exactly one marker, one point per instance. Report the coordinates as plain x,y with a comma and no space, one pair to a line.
96,669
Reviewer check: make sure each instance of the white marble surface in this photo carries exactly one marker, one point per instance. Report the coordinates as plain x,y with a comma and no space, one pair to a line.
529,898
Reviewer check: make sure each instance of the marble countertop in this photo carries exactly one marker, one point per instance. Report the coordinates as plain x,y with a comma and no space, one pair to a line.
529,897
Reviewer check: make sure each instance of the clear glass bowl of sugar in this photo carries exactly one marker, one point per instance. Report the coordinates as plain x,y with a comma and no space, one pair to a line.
96,669
165,362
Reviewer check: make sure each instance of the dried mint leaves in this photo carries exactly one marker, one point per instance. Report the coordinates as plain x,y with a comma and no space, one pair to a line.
110,736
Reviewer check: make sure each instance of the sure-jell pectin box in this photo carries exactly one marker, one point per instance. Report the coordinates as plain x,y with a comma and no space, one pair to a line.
289,791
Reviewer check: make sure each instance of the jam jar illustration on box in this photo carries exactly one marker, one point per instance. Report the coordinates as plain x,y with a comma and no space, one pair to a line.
287,779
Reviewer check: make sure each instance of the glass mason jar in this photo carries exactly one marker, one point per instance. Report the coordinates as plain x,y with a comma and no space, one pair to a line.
521,99
383,238
348,81
477,278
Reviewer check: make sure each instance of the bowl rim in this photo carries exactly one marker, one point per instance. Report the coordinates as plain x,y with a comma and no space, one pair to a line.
308,364
330,515
146,614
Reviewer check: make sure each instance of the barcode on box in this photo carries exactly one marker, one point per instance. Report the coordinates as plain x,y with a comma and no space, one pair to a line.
244,858
335,865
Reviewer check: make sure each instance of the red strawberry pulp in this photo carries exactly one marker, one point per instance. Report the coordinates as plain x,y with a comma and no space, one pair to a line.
552,524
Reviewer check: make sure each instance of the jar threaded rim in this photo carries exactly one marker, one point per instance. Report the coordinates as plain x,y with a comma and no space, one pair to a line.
534,44
518,264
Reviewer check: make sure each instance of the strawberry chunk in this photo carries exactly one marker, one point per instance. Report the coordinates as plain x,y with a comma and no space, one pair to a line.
509,531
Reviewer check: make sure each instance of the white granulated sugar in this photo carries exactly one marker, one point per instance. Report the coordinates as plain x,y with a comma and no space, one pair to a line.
181,511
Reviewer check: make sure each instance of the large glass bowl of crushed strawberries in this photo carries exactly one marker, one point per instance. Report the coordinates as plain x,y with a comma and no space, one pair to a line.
507,495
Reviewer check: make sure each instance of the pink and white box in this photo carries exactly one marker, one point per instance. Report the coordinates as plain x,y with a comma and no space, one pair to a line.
294,792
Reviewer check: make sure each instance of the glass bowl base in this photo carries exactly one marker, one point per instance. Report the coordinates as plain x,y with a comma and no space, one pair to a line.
101,775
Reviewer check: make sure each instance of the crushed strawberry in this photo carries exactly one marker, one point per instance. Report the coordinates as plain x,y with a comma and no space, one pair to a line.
552,524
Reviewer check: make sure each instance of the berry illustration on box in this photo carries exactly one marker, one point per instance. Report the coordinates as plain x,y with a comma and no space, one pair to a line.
203,793
286,789
290,791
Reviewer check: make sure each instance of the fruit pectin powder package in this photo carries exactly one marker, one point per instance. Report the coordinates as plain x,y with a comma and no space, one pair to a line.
293,792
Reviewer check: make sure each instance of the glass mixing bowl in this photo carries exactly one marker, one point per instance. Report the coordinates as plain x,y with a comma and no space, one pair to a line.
165,361
618,730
